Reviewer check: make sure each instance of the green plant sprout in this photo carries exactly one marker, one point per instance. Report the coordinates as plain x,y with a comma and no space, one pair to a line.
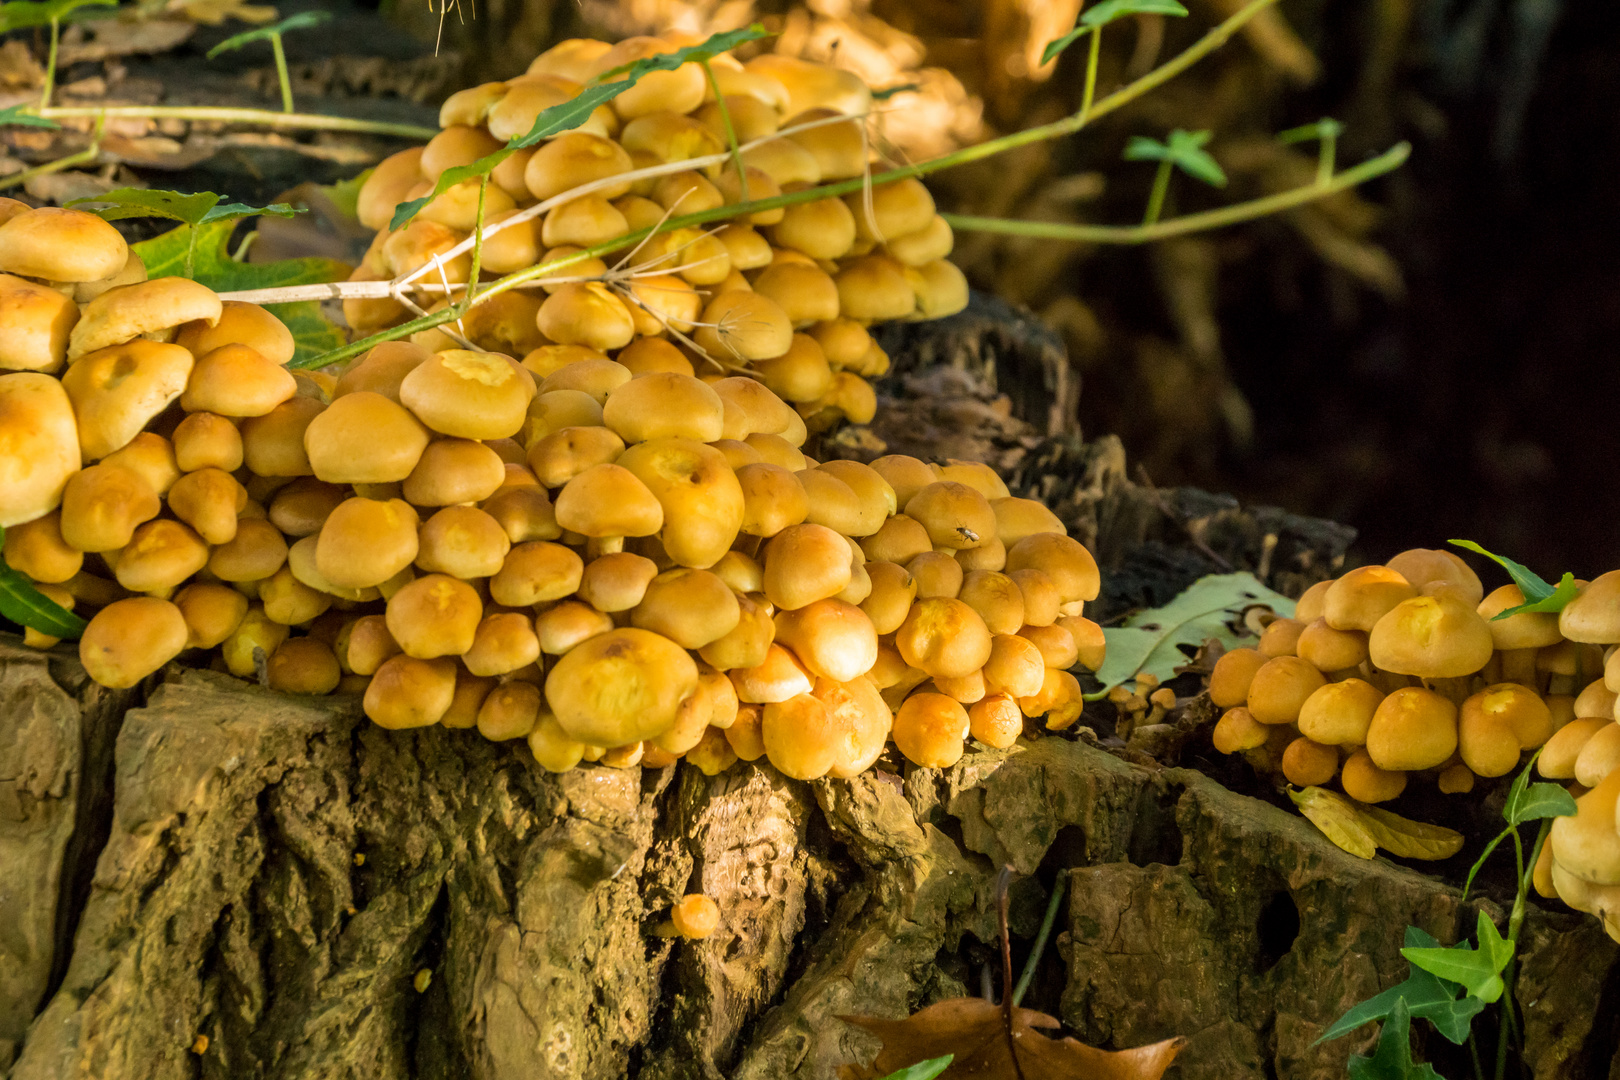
1539,596
1183,150
304,20
1326,132
1092,22
22,14
1482,973
553,120
923,1070
202,208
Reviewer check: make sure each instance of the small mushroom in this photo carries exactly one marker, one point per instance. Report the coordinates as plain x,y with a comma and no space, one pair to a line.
130,639
61,245
620,687
132,311
39,446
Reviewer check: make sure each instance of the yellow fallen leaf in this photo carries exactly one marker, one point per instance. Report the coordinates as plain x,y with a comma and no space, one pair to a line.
1407,838
1338,819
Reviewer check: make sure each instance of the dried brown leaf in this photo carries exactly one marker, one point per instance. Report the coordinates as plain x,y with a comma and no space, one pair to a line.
975,1032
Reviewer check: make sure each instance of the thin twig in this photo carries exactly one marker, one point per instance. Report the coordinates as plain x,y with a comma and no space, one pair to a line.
223,115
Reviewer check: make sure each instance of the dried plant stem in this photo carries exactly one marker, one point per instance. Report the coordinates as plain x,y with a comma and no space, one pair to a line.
1189,223
262,117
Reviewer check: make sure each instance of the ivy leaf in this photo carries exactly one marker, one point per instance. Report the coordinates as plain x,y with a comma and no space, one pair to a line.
301,21
923,1070
25,605
1538,595
1105,13
1478,969
1427,996
1211,607
313,334
575,111
21,14
1184,149
1393,1058
16,117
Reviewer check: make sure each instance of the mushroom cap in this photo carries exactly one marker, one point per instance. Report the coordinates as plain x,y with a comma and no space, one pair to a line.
130,311
998,600
409,692
616,582
1594,615
701,498
773,499
996,720
929,730
1584,845
1526,630
385,188
1016,666
1042,601
840,149
552,747
1017,518
462,541
1411,729
240,323
39,446
536,572
1058,645
944,637
1358,599
212,613
1563,749
1433,637
1517,707
1366,782
832,639
1237,730
1432,571
1596,699
955,515
805,563
1281,638
1091,646
364,542
209,500
778,677
586,313
1486,743
273,444
130,639
1328,649
450,471
152,456
1280,688
253,554
509,711
382,369
102,505
289,601
900,539
160,556
38,320
303,665
469,394
1063,559
363,438
1599,757
937,575
804,292
36,548
874,288
896,209
800,736
597,376
929,244
583,222
649,354
207,440
695,916
118,390
822,229
751,408
1311,604
525,512
744,326
1233,673
608,500
690,607
61,245
620,687
564,625
555,410
748,645
302,507
1339,713
1309,764
663,405
434,616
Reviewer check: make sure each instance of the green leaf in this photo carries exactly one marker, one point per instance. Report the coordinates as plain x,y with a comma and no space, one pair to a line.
1184,149
575,111
1106,12
313,334
923,1070
345,194
16,117
1056,47
26,606
1325,128
1427,996
1393,1058
199,208
1477,969
301,21
1538,595
21,14
1212,607
1542,801
889,91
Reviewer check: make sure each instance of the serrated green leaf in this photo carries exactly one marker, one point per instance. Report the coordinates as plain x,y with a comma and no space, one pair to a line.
1477,969
1337,819
313,334
1539,596
1149,641
923,1070
301,21
575,111
21,14
25,605
1407,838
1393,1058
15,116
1325,128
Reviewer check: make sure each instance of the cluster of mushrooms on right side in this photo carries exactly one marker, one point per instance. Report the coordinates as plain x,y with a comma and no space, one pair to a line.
1402,670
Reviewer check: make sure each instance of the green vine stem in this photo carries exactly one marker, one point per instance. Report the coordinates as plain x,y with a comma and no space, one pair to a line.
263,117
731,130
82,157
1093,59
50,65
1161,187
1178,226
281,73
1027,976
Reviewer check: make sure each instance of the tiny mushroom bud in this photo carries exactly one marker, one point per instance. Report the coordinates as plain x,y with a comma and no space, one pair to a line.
1366,782
695,916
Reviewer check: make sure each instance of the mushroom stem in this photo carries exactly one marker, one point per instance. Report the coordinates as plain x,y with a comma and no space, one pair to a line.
598,546
1454,689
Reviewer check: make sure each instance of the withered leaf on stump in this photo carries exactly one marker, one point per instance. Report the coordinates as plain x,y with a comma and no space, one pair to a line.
975,1031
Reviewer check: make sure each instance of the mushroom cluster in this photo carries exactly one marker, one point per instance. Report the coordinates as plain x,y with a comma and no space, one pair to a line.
1402,669
785,294
614,559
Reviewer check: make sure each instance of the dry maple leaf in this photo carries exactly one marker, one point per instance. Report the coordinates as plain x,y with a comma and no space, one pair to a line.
976,1032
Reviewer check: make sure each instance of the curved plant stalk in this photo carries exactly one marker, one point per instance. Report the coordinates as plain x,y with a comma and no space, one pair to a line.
81,157
262,117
